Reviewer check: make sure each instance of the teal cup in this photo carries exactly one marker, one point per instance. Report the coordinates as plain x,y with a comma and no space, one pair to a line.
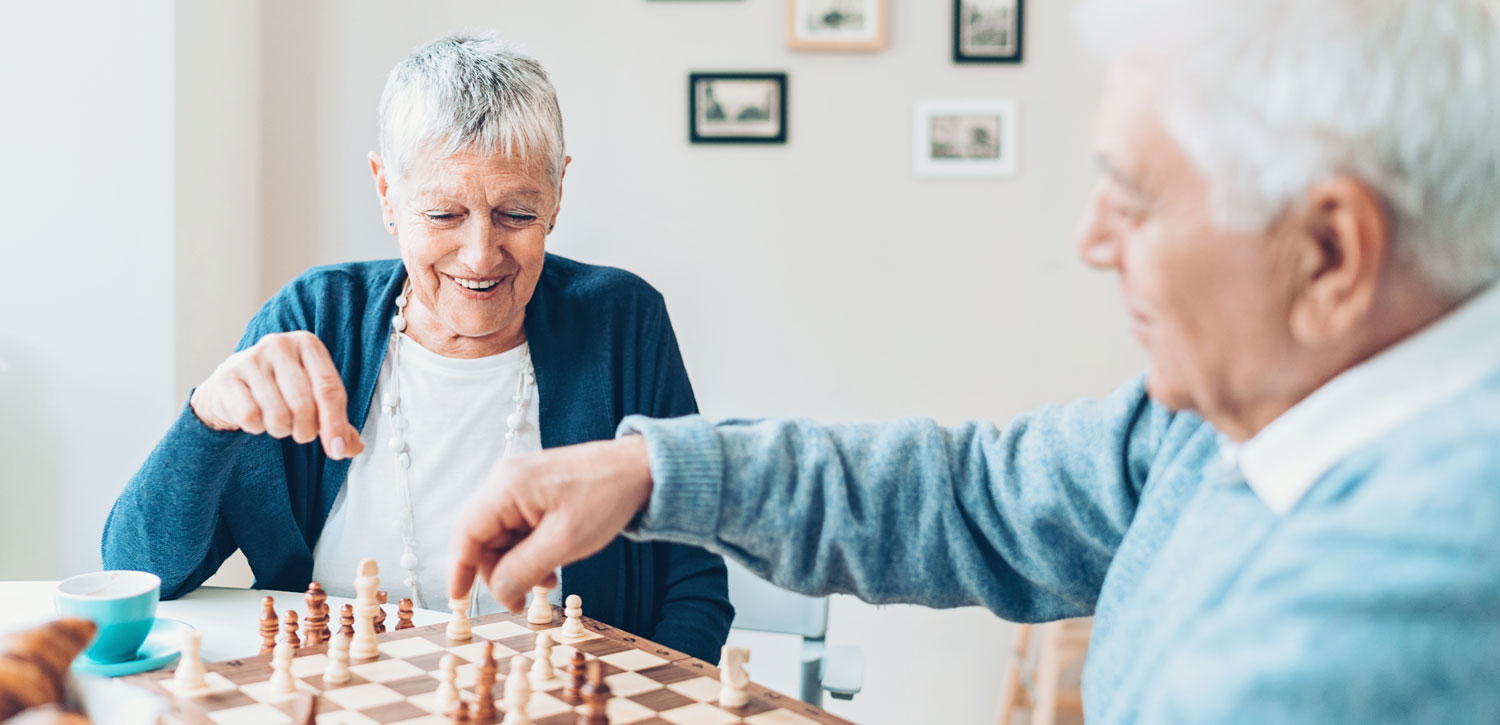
121,603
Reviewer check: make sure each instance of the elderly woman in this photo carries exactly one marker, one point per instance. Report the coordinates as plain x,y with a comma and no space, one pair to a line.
367,399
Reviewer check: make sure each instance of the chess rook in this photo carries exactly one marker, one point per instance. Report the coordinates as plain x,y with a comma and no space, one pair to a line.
540,611
366,609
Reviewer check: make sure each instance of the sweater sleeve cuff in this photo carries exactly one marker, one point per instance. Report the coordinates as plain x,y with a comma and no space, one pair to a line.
687,471
192,431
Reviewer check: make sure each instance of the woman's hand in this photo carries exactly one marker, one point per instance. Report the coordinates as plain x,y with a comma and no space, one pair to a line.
285,385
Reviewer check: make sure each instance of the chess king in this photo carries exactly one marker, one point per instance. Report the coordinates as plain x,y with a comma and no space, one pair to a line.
367,400
1292,517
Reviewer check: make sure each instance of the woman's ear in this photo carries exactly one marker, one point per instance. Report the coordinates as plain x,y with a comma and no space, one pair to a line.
382,190
1340,244
556,208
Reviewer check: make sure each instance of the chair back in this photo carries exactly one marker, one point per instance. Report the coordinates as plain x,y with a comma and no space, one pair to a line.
764,607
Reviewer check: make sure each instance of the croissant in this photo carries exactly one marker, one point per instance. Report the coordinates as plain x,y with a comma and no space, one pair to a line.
34,663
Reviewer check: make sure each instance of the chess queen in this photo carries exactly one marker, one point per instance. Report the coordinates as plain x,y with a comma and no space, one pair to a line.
368,400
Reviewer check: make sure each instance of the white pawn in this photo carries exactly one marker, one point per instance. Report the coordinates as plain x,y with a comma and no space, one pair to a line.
366,609
572,627
458,625
541,610
337,671
541,666
447,692
282,682
517,694
190,675
734,682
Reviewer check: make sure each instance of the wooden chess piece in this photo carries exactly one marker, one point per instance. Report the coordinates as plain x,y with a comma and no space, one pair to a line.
446,695
403,615
270,625
517,693
734,682
282,682
317,614
307,709
573,691
34,663
366,609
380,598
337,671
572,627
596,696
461,714
458,624
289,629
190,675
484,689
346,620
540,611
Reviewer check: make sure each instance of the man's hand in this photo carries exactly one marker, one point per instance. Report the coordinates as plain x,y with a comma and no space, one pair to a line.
543,510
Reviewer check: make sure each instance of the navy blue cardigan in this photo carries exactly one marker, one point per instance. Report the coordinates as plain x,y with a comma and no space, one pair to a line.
603,348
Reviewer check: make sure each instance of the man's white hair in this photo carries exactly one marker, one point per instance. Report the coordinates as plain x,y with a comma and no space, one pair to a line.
470,93
1271,97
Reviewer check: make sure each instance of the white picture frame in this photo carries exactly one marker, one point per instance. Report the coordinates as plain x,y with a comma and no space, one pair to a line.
968,139
837,25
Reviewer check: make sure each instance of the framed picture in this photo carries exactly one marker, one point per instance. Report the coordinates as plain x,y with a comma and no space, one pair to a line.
737,107
966,139
857,25
987,31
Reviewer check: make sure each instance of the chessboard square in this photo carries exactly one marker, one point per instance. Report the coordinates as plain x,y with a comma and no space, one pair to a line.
428,663
344,717
409,647
667,674
387,670
561,654
663,700
522,643
364,697
413,685
600,647
543,705
465,676
702,689
779,717
261,691
317,683
395,712
501,630
699,714
474,651
216,682
309,665
626,684
426,720
622,711
257,714
633,660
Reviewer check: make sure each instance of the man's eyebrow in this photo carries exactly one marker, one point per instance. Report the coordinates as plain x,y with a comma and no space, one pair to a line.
1103,164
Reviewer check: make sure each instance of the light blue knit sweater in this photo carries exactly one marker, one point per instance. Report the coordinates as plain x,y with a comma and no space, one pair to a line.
1375,599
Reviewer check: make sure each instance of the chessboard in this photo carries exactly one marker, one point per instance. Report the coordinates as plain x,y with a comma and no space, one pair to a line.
650,684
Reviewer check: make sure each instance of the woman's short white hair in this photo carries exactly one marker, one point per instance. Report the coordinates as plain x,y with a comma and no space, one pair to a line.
1271,97
470,93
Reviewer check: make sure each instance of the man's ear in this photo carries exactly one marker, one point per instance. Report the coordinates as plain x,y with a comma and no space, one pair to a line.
382,190
1341,242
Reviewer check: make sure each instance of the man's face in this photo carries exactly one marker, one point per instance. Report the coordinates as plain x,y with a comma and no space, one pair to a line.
1210,306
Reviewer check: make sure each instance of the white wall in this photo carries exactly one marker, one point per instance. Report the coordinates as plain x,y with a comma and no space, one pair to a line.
86,341
816,279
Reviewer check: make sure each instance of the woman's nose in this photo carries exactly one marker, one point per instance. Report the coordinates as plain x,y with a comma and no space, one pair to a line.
1097,238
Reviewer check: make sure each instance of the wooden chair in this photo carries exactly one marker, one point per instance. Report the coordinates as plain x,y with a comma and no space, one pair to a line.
1036,688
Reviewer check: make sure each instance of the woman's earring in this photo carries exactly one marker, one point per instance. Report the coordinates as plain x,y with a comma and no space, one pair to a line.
392,225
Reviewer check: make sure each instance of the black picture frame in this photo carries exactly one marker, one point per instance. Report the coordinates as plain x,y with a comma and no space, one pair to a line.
959,56
700,136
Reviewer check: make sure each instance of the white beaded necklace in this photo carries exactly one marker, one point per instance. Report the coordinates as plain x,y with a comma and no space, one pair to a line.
391,402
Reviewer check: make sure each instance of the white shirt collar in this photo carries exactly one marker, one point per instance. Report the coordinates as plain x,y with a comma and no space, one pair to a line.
1283,461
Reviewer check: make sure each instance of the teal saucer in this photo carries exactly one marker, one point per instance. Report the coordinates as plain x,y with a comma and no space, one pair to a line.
161,648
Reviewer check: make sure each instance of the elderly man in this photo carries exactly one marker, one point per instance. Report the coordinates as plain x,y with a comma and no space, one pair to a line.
1292,517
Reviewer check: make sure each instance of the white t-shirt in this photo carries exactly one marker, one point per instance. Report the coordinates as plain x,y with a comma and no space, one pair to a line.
455,412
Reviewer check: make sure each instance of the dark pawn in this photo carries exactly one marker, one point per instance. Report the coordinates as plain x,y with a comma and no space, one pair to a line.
484,689
380,620
595,698
307,709
289,629
573,691
346,620
270,624
404,613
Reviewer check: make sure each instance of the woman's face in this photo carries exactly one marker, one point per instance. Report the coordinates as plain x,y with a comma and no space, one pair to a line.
473,232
